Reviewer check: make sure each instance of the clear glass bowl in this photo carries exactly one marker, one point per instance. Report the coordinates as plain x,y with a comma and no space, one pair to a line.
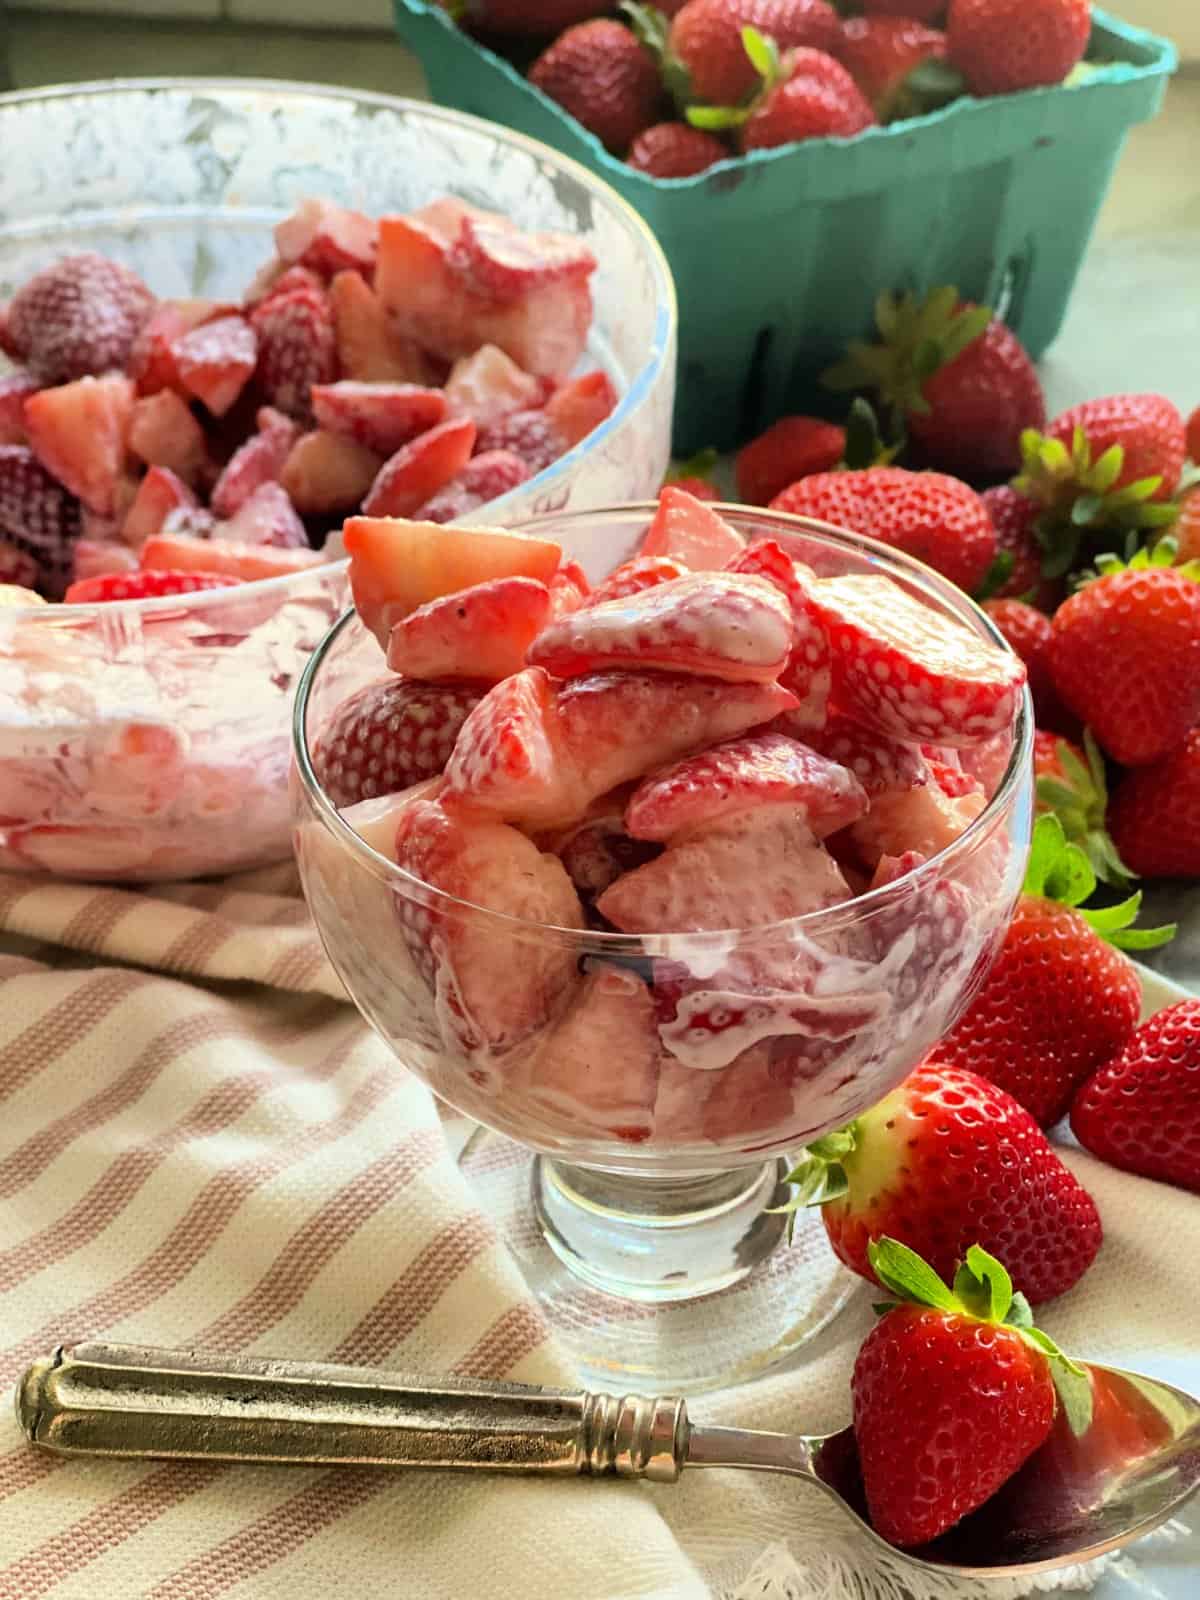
149,740
655,1165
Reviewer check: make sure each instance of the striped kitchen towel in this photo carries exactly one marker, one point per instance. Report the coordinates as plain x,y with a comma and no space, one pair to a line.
201,1144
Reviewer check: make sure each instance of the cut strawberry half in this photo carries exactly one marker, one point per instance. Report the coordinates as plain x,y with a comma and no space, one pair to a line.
690,531
14,391
417,471
177,552
164,433
904,670
492,991
808,673
484,478
880,764
539,755
569,589
78,433
259,460
390,735
396,566
382,416
488,386
760,867
296,349
579,407
713,624
327,472
481,632
216,361
327,238
268,517
631,577
159,493
143,586
435,295
369,350
923,820
151,361
763,769
598,1068
500,262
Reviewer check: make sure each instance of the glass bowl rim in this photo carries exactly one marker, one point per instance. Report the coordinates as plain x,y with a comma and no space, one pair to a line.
629,404
830,919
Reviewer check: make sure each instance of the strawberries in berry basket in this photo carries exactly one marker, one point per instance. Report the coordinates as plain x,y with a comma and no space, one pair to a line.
608,82
883,54
954,1390
1141,1111
1001,46
1061,997
706,57
675,150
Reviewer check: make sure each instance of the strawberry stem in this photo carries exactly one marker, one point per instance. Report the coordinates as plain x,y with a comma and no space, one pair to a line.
1058,870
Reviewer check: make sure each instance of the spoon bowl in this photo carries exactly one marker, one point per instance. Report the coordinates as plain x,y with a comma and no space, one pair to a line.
1075,1499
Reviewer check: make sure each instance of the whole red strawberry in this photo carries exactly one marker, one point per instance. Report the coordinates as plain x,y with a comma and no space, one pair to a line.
953,1392
1002,46
1154,817
77,317
946,1159
1142,1111
1014,517
790,449
607,81
938,519
675,150
705,42
1186,531
391,735
1060,997
1125,655
880,52
818,99
1028,631
960,379
1147,427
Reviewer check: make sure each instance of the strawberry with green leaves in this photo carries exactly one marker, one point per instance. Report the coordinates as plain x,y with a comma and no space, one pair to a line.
1107,467
954,1389
945,1160
1003,46
1125,654
794,447
1141,1112
704,56
954,375
1061,996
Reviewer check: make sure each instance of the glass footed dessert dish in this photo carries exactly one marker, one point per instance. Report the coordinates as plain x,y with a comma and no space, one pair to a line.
695,870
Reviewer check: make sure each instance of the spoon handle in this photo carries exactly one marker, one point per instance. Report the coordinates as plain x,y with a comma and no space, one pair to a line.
134,1400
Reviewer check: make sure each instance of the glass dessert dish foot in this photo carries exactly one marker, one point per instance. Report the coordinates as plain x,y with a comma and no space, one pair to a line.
699,1281
642,1095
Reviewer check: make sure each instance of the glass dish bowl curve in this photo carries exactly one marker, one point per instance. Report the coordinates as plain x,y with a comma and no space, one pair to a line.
888,972
149,739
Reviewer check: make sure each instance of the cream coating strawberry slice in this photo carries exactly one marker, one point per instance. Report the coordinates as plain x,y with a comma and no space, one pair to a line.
481,632
598,1067
397,565
713,624
808,673
631,577
747,871
494,984
905,670
687,530
759,770
925,820
538,754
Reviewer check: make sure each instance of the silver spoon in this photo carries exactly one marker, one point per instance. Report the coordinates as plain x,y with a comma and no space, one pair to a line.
1074,1500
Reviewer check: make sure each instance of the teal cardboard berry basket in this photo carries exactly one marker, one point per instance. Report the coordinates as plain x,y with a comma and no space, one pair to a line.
778,256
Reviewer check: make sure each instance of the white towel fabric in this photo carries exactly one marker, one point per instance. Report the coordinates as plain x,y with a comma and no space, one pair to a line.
186,1158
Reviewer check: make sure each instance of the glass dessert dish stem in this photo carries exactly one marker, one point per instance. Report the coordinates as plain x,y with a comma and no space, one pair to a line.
654,1239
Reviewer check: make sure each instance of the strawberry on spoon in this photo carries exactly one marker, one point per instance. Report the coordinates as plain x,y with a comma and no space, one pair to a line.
954,1389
